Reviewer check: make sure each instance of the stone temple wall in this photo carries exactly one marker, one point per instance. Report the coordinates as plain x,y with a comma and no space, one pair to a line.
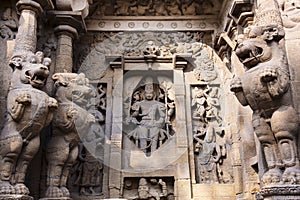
149,99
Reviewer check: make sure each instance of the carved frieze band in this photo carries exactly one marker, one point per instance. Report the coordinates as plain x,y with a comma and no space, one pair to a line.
151,25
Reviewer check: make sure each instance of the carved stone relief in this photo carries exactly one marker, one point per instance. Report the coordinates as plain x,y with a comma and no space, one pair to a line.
86,175
8,24
210,148
71,122
150,110
134,44
158,8
29,111
149,188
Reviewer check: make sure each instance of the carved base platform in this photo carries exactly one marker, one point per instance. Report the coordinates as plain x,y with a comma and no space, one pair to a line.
281,192
15,197
91,197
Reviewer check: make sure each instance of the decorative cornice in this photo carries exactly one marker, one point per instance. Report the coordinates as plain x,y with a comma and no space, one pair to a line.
152,24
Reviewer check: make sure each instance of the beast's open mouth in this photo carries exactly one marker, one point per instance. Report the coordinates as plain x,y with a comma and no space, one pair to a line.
249,56
39,79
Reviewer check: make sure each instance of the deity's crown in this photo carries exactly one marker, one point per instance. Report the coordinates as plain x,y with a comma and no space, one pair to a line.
149,84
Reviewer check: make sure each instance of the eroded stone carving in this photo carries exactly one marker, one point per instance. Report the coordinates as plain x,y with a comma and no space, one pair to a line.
160,8
86,175
209,146
148,188
290,12
90,172
71,121
150,117
265,88
91,57
8,25
29,111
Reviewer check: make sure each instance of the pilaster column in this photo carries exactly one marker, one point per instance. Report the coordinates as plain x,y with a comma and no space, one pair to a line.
64,54
182,182
26,36
115,163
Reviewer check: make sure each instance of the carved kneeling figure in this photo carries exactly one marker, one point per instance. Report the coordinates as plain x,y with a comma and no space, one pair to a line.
29,111
70,120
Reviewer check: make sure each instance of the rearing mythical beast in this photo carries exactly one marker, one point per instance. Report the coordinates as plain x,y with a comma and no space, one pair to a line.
265,88
71,122
29,111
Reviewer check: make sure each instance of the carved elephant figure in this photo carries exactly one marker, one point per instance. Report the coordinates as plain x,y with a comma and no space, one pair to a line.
71,122
265,88
29,111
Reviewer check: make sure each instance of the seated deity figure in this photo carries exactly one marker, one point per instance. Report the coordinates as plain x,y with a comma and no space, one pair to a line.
150,117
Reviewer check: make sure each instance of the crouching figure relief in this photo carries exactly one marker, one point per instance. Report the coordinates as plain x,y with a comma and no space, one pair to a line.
265,88
71,121
29,111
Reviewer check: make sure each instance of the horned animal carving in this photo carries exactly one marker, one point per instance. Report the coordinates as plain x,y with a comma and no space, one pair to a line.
29,111
70,120
265,88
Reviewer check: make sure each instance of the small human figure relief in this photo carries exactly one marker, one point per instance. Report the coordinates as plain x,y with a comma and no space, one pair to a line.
205,104
209,155
8,25
71,122
90,173
29,111
151,113
148,189
265,87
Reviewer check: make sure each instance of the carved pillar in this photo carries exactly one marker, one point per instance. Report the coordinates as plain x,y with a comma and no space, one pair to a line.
64,53
116,133
183,176
26,36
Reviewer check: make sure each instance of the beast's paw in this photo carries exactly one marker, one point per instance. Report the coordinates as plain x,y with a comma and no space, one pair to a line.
271,177
268,74
291,175
236,85
72,113
52,104
21,189
53,192
91,118
24,98
6,188
65,191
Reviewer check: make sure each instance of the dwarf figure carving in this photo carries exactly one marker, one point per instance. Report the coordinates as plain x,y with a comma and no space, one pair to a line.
70,120
265,88
29,111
